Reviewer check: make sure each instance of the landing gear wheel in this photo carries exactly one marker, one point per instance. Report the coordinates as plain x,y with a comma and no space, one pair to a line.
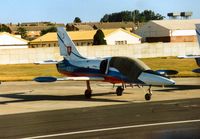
119,91
147,96
88,93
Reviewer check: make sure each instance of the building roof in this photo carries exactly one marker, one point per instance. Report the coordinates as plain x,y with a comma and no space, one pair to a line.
83,27
79,35
8,34
32,28
188,24
112,25
105,25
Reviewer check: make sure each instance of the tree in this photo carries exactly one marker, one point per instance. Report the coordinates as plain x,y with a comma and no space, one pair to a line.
77,20
22,32
135,16
45,31
148,15
105,18
98,38
4,28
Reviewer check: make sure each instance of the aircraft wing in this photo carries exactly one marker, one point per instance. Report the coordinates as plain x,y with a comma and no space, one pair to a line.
167,72
46,62
189,56
53,79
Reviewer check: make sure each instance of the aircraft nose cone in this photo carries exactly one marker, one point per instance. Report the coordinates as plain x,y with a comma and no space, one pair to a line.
152,78
172,82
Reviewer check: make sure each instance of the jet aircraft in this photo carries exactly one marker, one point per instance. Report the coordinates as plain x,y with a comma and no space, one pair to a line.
116,69
196,57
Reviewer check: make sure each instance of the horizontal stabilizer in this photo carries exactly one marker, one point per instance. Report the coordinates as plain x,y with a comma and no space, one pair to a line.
81,79
167,72
53,79
45,79
196,70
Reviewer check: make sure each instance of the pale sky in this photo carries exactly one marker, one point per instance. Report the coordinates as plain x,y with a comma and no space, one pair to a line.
64,11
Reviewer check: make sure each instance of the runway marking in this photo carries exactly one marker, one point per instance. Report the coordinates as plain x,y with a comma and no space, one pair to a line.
113,128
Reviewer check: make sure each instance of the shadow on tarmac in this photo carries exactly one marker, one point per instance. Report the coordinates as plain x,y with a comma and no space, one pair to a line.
24,97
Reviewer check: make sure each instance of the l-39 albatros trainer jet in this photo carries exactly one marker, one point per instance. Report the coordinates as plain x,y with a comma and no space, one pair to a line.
196,57
123,70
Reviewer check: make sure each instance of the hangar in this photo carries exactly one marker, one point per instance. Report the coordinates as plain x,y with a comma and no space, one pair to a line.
9,41
169,30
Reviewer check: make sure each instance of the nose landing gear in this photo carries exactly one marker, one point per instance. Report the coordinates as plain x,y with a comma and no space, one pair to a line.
149,94
88,91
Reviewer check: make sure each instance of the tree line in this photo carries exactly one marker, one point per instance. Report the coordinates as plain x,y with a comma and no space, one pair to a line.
132,16
123,16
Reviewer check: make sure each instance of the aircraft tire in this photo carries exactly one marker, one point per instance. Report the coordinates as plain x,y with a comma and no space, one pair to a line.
119,91
147,96
88,94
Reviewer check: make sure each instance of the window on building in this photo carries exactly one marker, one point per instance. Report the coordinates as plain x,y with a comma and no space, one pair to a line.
121,42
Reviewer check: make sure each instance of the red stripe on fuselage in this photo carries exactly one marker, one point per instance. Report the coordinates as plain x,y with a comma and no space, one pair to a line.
107,78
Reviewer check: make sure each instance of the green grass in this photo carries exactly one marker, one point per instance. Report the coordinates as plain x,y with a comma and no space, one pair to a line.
183,66
26,71
30,71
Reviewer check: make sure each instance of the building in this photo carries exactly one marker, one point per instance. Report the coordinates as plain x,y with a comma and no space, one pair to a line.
113,25
169,31
130,26
121,37
9,41
33,29
78,27
47,40
85,38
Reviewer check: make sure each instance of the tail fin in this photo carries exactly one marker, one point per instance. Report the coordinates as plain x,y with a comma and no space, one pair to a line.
198,61
198,32
67,48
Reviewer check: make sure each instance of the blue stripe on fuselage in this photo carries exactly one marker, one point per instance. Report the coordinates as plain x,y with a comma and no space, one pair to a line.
66,66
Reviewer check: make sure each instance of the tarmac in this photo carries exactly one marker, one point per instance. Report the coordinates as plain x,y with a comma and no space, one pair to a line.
60,110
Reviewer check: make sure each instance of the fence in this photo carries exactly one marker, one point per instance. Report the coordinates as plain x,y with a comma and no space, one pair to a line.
145,50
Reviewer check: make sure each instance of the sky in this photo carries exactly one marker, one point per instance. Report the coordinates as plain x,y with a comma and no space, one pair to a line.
64,11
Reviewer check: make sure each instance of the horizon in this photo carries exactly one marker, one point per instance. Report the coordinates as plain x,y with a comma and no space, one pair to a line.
62,11
86,21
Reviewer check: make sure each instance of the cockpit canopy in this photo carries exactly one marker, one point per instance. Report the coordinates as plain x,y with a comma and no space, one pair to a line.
129,67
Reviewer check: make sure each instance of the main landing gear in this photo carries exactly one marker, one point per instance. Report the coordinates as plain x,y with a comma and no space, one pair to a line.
88,91
119,90
149,94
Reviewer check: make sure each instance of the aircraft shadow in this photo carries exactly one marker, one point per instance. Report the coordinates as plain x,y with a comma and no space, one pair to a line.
24,97
179,87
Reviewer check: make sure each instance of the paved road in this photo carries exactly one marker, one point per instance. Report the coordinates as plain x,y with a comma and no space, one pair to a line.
23,97
103,119
59,110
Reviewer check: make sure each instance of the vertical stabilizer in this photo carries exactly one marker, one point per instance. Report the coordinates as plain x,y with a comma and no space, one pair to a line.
67,48
198,33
